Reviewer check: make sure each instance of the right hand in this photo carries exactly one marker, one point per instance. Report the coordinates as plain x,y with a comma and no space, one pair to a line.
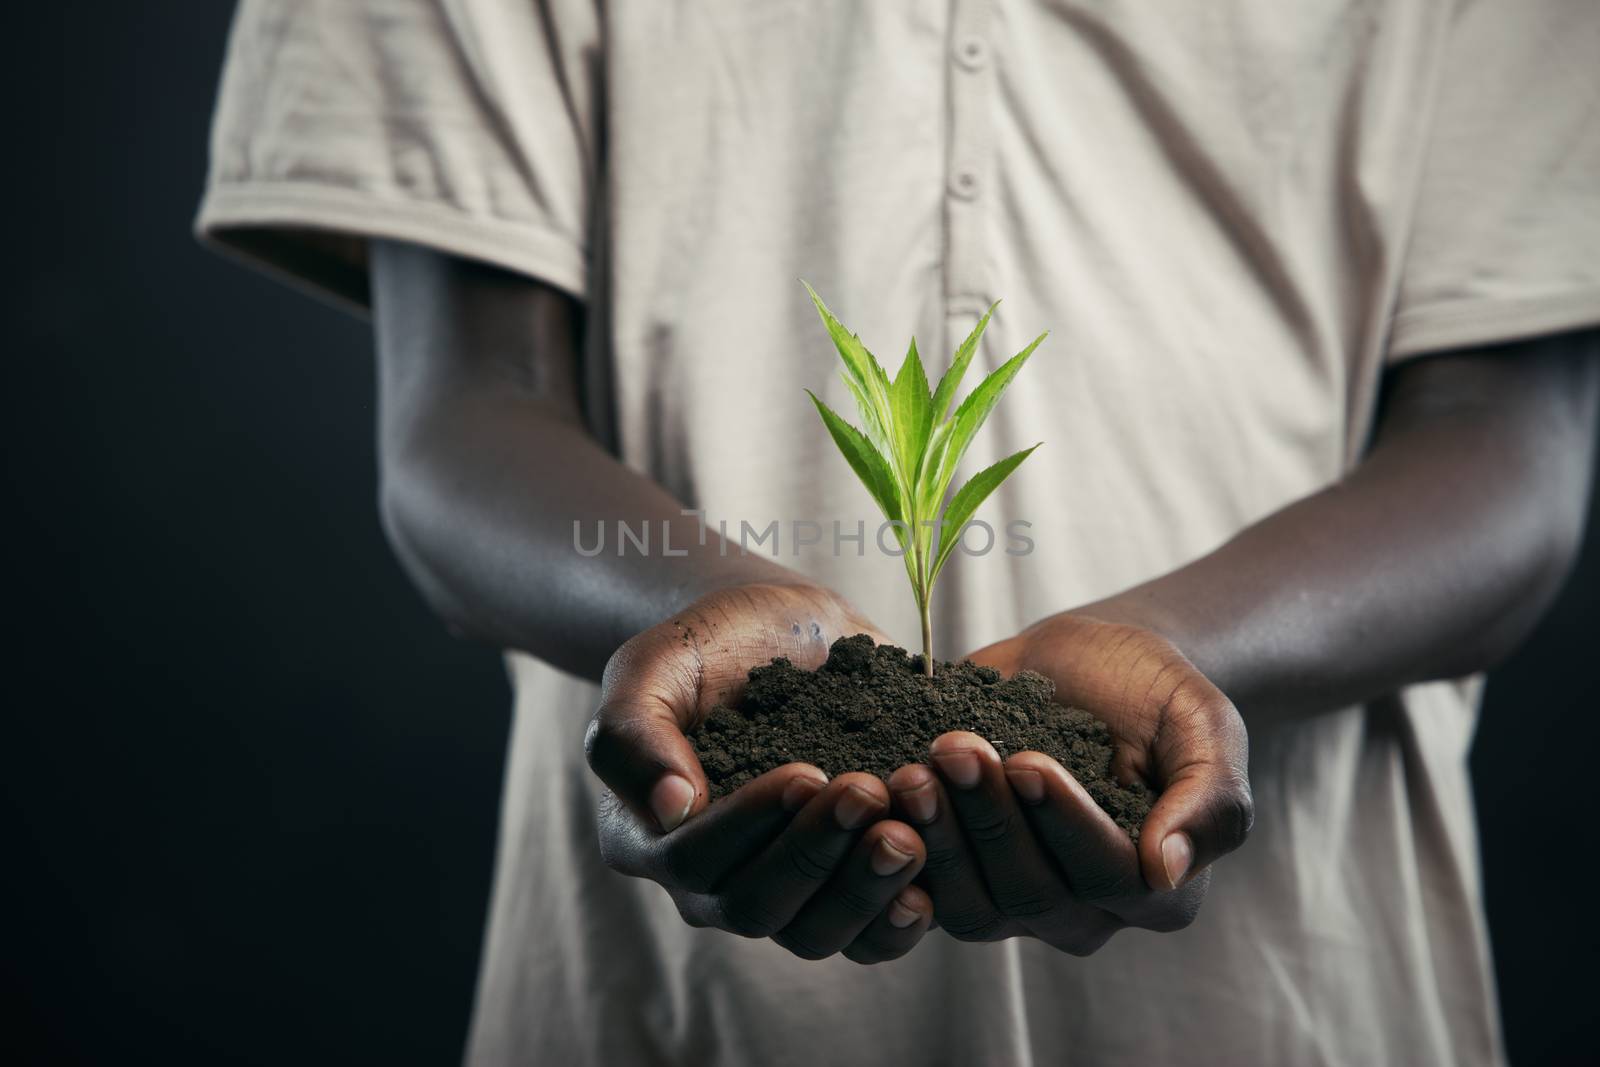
812,864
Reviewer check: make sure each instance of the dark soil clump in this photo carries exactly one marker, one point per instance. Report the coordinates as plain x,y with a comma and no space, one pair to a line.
870,708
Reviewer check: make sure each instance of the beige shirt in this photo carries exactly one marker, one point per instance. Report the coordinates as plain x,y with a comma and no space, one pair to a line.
1231,215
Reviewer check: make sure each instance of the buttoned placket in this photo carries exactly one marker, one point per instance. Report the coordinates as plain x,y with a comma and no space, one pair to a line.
970,73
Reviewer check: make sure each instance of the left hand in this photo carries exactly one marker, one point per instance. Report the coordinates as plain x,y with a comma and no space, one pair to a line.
810,863
1020,850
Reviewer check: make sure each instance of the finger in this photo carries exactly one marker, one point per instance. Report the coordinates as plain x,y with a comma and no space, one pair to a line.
1022,882
951,875
883,862
895,931
1197,819
765,895
635,743
1097,859
1201,761
727,835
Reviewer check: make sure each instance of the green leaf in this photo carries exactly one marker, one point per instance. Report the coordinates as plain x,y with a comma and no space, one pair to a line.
875,432
970,416
927,497
951,381
909,405
966,501
863,366
908,450
869,465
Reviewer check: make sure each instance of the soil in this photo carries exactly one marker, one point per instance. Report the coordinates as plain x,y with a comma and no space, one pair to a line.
870,708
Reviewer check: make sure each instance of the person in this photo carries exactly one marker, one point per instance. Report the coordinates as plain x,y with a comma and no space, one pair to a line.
1318,410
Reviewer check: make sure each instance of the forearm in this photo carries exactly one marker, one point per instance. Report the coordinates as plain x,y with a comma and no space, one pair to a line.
486,464
481,507
1431,560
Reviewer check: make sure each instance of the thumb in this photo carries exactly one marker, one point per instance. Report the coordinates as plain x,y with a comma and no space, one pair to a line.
636,744
1205,809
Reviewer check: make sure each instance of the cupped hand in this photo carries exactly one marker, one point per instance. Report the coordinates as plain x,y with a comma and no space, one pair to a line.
1018,848
813,864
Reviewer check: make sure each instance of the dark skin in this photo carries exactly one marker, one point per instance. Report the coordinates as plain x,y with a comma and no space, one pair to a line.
1430,560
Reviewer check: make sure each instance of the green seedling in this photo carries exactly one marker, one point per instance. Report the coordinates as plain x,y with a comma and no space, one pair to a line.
909,445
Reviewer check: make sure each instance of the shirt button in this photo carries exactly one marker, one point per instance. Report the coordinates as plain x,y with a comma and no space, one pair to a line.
964,184
971,53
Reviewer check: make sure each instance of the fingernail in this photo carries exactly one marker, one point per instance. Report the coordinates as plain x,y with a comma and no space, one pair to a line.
921,803
1029,785
671,800
960,766
886,859
854,808
798,793
901,915
1177,853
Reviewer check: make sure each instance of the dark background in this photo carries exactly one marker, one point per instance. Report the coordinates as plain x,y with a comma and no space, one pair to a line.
250,783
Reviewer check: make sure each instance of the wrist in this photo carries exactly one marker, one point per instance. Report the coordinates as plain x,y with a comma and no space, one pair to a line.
705,565
1138,608
1197,636
779,595
1234,654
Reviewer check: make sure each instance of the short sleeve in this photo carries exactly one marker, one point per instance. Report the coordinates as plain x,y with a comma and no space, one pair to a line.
465,125
1505,235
